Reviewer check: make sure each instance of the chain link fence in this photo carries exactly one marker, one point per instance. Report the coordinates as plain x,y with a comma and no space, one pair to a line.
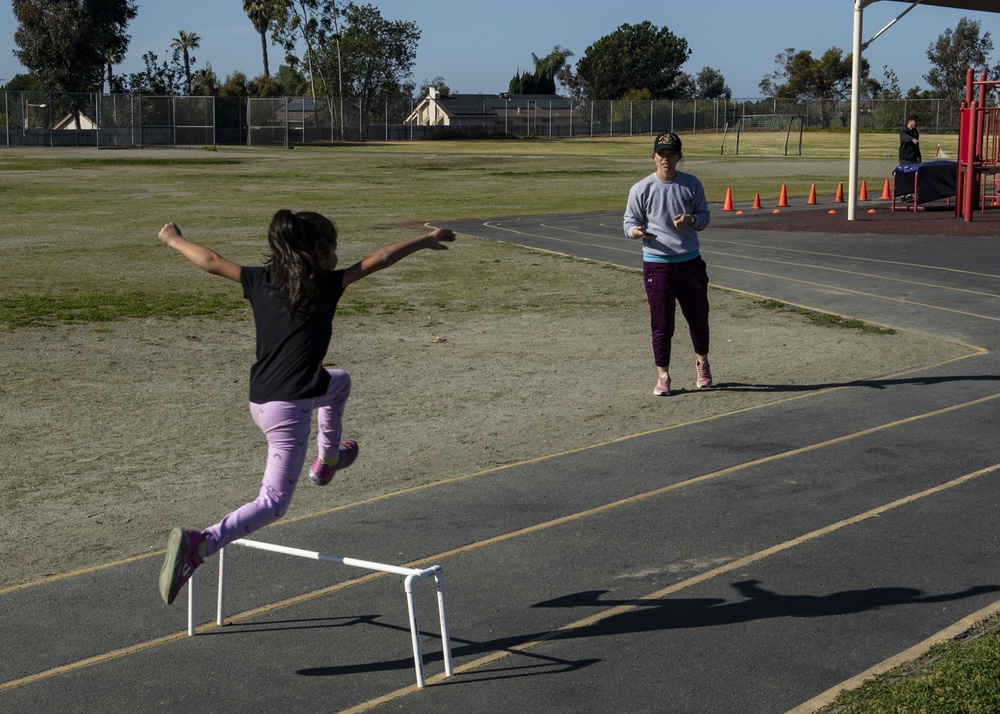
122,120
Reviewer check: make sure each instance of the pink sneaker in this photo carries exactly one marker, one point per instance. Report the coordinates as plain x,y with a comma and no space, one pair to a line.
662,388
185,552
321,473
704,371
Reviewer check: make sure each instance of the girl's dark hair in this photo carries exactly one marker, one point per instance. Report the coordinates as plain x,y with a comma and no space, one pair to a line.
300,244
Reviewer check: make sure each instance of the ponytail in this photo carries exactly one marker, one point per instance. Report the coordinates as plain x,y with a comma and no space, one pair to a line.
300,243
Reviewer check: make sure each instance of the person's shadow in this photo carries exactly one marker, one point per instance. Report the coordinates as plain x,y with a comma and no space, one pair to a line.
758,604
864,383
647,615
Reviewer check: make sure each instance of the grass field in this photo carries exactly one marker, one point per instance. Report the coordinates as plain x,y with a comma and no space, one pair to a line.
80,228
63,208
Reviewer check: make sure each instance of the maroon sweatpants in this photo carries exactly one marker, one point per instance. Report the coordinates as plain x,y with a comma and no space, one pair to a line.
685,284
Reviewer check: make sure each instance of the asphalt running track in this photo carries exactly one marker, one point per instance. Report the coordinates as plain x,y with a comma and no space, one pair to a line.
786,551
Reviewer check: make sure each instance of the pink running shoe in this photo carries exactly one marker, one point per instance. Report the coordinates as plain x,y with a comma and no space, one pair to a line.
662,388
184,554
321,474
704,371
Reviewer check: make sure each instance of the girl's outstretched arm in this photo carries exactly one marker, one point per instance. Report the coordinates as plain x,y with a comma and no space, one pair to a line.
387,255
205,258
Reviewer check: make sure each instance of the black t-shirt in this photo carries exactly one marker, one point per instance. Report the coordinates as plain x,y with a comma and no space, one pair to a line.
291,346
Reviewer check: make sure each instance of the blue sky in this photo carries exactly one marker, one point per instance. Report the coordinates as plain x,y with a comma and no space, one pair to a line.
478,47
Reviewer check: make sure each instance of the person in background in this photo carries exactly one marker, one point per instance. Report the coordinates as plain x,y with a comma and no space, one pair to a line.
909,142
667,210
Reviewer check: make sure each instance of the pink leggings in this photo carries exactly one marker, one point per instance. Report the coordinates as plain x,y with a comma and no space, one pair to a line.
286,426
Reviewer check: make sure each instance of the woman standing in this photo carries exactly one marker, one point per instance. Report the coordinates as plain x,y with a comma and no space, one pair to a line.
666,210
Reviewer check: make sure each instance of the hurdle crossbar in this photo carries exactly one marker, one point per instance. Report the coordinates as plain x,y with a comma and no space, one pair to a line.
412,575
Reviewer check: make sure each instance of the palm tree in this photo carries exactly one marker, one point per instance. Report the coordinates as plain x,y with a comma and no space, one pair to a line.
111,58
259,14
183,43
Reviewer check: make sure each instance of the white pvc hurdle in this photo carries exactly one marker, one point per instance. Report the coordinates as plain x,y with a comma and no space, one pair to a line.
412,575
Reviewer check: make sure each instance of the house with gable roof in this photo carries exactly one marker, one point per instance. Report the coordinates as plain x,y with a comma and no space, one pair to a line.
526,114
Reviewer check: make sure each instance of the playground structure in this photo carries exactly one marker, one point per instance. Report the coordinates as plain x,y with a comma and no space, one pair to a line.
978,147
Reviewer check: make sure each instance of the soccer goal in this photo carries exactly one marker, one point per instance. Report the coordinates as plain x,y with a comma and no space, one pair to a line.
763,135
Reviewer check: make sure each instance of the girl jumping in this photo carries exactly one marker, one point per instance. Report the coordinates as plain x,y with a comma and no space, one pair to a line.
294,297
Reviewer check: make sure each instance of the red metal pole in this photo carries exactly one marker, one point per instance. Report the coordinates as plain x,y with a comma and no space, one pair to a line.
969,179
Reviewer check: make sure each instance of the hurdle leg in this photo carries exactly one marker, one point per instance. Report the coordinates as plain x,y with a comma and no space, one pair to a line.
443,617
418,658
220,614
190,585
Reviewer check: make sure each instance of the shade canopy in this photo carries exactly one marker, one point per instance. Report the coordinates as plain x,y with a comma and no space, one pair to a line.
859,7
980,5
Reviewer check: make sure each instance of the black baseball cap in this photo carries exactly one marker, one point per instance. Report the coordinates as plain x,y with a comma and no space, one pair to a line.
667,142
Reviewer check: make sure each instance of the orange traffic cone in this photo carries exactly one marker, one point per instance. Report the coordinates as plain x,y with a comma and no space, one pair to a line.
812,196
886,196
840,193
728,205
756,201
783,198
863,196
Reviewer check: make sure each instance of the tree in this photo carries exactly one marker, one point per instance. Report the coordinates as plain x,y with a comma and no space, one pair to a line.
161,78
23,83
800,76
548,67
312,22
531,83
205,82
543,79
684,87
184,43
378,54
953,54
633,57
236,85
111,58
437,83
571,83
373,56
64,43
265,87
711,85
292,82
260,13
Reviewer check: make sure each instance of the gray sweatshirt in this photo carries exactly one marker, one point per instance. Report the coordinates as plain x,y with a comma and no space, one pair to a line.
652,205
